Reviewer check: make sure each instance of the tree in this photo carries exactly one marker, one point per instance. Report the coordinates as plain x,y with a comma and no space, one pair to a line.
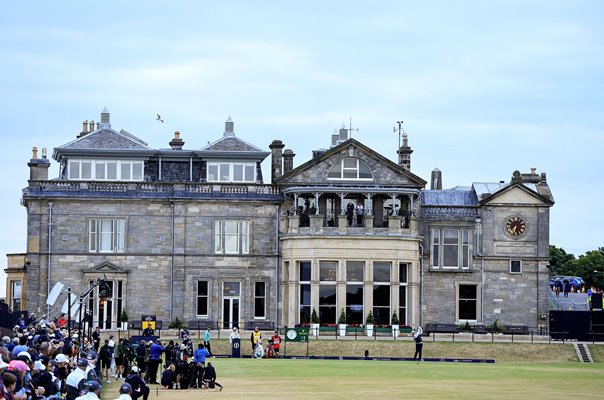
561,262
342,319
370,319
590,267
314,318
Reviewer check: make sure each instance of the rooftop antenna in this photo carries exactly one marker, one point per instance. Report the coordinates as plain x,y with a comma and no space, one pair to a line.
400,128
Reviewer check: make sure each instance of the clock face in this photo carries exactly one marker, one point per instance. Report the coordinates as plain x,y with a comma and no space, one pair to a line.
291,334
515,226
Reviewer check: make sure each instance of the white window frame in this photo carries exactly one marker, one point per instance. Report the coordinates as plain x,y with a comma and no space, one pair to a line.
519,264
339,171
98,235
403,286
105,170
231,236
462,247
457,301
16,296
228,171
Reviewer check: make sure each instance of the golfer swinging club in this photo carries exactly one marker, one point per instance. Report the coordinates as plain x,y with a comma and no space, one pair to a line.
417,337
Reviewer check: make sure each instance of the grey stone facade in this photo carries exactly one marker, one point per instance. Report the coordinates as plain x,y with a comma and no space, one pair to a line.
476,253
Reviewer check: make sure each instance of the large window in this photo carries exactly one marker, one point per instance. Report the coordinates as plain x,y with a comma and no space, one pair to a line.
451,248
231,237
304,274
106,235
106,312
202,299
381,292
327,291
354,292
402,294
226,171
106,170
260,300
15,295
350,169
467,302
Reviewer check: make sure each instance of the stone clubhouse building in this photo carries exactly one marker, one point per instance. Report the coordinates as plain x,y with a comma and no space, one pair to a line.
202,235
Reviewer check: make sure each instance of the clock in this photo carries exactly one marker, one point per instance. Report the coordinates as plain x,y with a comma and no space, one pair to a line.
291,334
515,226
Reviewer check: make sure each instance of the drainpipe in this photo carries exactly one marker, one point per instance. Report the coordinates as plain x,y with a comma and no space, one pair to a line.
421,284
172,263
49,253
479,254
278,281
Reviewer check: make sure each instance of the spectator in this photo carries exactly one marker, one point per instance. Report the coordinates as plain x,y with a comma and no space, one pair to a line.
155,353
206,341
125,391
76,380
209,377
105,360
138,385
199,360
168,377
93,391
234,334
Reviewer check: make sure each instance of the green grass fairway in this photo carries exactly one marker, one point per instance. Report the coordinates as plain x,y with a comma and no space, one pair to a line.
321,379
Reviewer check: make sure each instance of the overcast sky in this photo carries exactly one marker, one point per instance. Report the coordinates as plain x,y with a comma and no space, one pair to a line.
483,87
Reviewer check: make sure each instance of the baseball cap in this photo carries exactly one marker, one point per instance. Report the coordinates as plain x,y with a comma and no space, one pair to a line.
125,388
82,362
61,358
135,369
24,354
39,366
91,355
17,365
93,385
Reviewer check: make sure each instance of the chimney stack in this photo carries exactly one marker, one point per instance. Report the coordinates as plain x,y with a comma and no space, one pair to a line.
38,168
176,143
404,153
288,160
436,181
276,159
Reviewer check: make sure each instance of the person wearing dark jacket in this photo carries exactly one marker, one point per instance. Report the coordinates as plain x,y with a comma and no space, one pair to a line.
139,389
209,377
417,337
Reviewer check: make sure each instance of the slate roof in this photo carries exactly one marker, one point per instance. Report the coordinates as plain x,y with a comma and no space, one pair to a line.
231,143
107,139
458,196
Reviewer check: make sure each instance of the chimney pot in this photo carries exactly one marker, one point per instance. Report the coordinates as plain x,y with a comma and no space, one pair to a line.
34,153
85,126
43,152
91,126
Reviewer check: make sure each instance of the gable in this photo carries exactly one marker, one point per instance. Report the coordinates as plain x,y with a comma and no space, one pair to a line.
107,139
105,268
516,195
383,172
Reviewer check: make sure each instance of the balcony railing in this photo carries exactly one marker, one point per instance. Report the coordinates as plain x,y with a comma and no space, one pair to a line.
151,189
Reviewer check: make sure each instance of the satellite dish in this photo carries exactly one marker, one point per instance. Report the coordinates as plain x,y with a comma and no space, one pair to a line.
54,293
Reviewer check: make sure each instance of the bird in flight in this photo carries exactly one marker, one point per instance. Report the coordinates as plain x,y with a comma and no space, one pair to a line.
159,119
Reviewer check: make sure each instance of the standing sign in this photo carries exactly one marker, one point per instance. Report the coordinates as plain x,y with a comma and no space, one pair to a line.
148,321
296,335
236,348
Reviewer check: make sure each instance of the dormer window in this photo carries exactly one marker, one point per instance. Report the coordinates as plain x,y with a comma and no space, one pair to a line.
225,171
350,169
105,170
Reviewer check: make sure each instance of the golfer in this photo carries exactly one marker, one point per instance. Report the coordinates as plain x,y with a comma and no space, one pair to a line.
417,337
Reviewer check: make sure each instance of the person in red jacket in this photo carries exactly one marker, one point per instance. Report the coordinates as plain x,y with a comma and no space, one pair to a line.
276,343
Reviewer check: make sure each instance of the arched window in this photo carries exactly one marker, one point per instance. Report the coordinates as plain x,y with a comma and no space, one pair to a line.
350,169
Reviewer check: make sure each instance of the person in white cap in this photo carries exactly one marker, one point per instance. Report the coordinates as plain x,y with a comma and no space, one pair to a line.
76,380
139,388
